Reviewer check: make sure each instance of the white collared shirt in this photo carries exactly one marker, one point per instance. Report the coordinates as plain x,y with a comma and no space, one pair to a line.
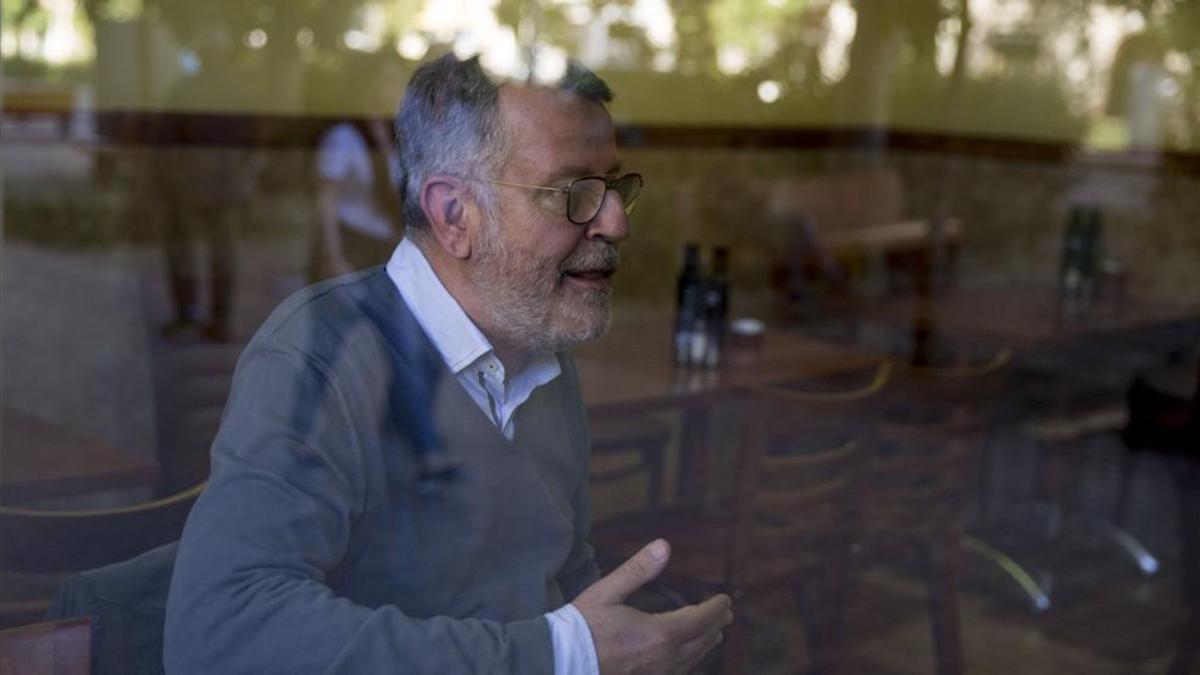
470,356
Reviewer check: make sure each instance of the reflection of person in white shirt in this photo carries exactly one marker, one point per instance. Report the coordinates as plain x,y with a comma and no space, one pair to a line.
1137,90
355,202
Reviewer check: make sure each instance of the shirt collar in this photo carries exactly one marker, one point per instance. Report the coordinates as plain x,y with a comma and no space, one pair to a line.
456,337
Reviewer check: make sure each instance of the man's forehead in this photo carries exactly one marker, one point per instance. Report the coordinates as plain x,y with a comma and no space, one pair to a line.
545,124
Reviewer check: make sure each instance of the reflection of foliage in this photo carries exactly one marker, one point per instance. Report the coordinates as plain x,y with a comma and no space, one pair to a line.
189,19
632,39
111,10
693,29
753,25
536,23
1171,26
400,14
892,71
1005,104
24,15
883,26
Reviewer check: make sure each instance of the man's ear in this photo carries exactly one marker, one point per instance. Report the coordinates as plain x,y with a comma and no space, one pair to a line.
452,214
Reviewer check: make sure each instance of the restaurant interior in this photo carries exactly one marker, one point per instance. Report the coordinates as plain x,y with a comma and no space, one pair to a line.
905,351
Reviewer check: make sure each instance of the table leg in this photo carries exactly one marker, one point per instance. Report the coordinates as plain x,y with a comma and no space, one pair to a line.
692,481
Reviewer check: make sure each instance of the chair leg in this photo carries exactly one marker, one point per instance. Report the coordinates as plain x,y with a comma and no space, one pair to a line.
734,647
814,635
822,601
1048,486
653,457
942,562
823,618
1124,486
837,603
1187,494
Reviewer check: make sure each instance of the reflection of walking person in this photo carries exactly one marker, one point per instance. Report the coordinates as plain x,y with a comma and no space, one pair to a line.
204,189
356,205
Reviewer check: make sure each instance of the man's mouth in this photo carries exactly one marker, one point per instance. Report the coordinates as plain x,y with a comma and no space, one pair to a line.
591,267
591,274
591,277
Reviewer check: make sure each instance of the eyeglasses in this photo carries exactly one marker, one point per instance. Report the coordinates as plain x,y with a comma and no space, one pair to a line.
585,195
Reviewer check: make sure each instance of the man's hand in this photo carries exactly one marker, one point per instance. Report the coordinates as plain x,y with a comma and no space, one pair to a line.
629,642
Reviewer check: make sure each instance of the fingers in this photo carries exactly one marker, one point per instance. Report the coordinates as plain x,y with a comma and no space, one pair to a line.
696,621
644,566
690,654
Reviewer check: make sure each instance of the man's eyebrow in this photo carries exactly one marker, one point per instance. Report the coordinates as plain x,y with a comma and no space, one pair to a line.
569,172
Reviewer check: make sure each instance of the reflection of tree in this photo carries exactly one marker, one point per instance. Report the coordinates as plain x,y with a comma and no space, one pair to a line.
25,15
1173,26
1183,34
696,49
883,30
274,69
327,21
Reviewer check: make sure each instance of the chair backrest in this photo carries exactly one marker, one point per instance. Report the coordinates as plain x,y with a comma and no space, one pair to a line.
795,471
627,449
40,541
51,648
970,384
127,603
833,201
914,476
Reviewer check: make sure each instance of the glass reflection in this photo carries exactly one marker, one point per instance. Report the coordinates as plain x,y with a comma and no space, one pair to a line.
935,182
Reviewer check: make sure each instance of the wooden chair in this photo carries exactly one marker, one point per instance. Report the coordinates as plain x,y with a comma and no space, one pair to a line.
786,524
51,648
628,446
127,605
911,486
41,542
67,541
1164,419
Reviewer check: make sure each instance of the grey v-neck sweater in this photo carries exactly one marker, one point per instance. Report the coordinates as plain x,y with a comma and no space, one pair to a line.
365,516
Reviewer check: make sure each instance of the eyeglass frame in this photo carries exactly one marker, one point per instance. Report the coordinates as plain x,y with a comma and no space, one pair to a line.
609,186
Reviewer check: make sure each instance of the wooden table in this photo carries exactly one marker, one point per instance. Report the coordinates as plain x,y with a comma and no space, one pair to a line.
631,370
632,367
40,460
1023,315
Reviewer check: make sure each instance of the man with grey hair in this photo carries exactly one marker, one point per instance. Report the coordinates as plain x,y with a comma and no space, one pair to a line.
400,479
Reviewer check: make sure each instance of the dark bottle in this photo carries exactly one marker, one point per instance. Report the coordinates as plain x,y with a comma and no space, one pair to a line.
689,273
716,307
688,305
690,337
1071,262
1090,254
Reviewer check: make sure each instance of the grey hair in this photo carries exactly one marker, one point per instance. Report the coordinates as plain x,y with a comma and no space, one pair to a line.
449,122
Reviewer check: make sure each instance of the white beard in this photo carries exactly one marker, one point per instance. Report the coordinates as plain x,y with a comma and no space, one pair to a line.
527,303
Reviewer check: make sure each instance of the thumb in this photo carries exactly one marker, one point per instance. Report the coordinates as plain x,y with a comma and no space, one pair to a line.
643,567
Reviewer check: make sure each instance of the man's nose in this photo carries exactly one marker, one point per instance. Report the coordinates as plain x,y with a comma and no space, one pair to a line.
611,224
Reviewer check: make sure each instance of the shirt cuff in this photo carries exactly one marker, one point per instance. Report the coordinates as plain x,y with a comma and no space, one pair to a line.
574,651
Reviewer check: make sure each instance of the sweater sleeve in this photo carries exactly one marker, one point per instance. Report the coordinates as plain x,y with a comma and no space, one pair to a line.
250,593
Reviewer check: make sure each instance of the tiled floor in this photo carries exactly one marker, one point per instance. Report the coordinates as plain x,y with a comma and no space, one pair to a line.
1123,626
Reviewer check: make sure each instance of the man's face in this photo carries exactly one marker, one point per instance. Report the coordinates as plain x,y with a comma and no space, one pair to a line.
547,281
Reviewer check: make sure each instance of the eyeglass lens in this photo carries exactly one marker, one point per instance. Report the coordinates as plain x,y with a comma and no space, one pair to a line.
587,196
